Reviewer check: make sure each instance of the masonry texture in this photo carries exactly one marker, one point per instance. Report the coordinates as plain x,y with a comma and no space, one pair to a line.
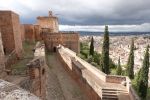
37,72
68,39
2,63
29,32
50,22
11,34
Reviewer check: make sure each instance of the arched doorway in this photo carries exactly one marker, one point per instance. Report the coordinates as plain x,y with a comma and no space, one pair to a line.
54,49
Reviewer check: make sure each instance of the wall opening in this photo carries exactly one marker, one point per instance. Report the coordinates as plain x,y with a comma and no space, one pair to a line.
4,50
54,49
43,71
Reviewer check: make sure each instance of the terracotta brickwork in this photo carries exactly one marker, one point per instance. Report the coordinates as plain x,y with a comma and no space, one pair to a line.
32,32
37,72
115,79
29,32
11,34
37,30
71,40
50,22
22,32
17,34
67,39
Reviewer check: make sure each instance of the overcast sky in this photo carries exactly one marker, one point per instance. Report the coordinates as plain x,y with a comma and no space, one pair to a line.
90,15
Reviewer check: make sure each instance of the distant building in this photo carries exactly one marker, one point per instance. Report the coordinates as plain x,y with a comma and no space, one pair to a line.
50,22
52,36
47,28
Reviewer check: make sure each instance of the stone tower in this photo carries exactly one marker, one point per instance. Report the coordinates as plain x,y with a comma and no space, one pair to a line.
48,22
11,33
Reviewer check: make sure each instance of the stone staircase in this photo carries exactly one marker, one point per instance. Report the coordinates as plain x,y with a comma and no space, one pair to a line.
112,94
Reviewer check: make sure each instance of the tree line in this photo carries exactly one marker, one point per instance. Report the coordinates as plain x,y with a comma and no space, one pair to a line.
141,77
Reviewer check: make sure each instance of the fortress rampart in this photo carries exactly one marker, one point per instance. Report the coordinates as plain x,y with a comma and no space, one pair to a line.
94,82
37,72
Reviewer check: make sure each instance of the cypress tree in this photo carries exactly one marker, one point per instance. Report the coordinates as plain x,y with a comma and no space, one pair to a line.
130,64
92,47
119,69
143,77
105,52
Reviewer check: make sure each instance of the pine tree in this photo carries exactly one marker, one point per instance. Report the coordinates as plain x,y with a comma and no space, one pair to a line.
92,47
119,69
105,52
130,64
143,77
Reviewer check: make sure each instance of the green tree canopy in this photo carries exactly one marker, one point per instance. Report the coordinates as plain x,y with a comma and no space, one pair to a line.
119,68
91,52
105,52
130,64
142,81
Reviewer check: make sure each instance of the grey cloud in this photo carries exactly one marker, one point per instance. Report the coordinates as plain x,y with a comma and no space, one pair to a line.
84,12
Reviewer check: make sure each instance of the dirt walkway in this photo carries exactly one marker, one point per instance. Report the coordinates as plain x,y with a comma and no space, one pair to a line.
60,84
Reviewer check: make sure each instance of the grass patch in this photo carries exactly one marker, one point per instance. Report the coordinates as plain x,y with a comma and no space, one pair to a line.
20,66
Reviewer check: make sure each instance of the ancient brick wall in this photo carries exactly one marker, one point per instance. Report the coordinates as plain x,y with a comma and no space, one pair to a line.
37,72
22,32
69,40
29,32
10,29
7,31
50,22
115,79
52,40
77,74
37,30
93,81
2,60
17,34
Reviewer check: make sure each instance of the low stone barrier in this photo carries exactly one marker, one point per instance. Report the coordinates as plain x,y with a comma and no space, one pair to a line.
91,80
37,72
115,79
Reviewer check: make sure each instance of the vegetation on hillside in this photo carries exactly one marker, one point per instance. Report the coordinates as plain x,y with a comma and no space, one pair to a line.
96,59
119,68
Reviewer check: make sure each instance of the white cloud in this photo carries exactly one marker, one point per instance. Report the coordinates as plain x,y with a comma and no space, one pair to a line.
112,28
86,12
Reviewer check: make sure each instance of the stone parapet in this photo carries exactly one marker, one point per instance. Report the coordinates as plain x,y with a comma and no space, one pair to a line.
93,81
37,71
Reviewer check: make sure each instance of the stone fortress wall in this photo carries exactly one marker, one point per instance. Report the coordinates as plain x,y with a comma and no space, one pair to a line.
47,28
32,32
37,72
10,29
67,39
50,22
93,81
11,37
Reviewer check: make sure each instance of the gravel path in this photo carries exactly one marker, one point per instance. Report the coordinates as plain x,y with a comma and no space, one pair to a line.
60,85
